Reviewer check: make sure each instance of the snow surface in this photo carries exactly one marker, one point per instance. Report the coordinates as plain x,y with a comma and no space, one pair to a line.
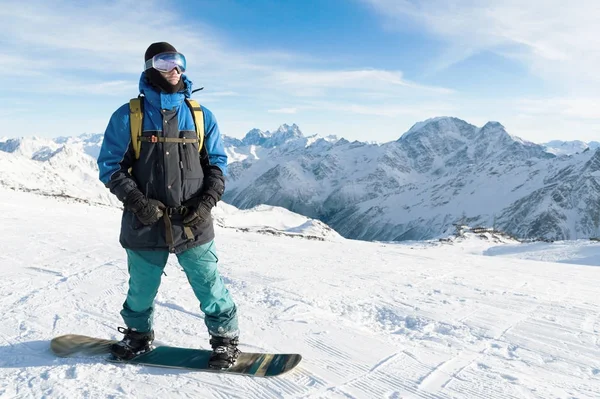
581,252
372,320
272,220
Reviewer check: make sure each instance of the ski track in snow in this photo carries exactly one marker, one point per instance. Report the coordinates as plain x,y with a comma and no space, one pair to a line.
371,320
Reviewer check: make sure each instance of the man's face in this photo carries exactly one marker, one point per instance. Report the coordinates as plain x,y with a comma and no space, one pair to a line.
173,76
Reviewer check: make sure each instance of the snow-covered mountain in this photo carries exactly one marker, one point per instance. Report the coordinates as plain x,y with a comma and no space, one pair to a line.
66,167
559,147
285,139
440,172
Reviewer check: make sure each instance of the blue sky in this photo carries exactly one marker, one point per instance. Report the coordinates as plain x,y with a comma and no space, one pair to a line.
360,69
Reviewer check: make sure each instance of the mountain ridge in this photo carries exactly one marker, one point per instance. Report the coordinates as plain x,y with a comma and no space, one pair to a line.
441,171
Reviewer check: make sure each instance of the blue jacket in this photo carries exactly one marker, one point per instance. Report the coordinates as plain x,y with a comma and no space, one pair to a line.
172,173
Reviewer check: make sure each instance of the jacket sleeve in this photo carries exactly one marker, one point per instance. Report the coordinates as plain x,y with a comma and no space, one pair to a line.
117,156
215,162
213,142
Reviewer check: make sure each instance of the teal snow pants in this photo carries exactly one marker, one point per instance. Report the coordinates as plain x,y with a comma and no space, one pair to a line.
200,266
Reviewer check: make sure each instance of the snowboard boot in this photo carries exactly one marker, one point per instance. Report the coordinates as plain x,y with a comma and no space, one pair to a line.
225,352
133,343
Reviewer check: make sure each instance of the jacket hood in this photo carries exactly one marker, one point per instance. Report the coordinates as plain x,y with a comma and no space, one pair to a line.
163,100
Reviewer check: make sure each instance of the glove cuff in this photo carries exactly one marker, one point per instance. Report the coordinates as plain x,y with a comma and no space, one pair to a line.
209,200
135,201
214,184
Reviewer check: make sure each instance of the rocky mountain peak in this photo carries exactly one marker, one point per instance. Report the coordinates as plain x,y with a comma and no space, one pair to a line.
286,129
493,126
255,137
440,127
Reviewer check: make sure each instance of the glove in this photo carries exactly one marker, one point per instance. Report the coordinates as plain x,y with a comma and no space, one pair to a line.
148,211
199,208
198,211
151,213
214,184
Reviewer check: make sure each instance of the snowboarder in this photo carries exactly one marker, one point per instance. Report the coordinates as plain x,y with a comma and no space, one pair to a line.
168,185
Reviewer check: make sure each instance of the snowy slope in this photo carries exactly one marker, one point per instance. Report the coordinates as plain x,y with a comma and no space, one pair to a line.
580,252
273,220
372,320
64,166
66,173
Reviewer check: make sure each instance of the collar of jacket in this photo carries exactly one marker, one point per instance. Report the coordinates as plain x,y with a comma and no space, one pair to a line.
163,100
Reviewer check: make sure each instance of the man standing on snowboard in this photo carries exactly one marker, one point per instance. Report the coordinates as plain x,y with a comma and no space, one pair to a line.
168,190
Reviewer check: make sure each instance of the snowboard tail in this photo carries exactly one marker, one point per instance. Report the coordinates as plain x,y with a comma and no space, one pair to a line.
255,364
73,345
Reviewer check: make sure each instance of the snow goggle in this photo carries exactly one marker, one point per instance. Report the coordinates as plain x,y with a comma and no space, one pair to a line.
166,62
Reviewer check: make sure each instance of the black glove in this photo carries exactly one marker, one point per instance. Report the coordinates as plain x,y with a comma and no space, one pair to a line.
148,211
199,207
198,211
214,184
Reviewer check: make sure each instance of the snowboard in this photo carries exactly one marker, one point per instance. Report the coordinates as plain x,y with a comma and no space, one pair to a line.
254,364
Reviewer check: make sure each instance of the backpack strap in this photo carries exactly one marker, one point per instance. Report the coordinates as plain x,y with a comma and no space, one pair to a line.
157,139
198,116
135,124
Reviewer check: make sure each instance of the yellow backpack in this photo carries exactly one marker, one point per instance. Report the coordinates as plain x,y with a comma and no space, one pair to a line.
135,121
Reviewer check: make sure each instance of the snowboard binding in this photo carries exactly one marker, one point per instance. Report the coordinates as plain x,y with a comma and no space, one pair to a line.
133,344
225,352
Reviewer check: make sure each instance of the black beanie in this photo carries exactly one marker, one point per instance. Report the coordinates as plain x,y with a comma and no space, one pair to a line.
157,48
154,76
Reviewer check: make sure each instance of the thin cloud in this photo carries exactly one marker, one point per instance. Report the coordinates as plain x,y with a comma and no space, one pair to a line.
224,94
218,95
97,48
78,87
556,41
572,107
421,110
110,38
283,111
354,79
